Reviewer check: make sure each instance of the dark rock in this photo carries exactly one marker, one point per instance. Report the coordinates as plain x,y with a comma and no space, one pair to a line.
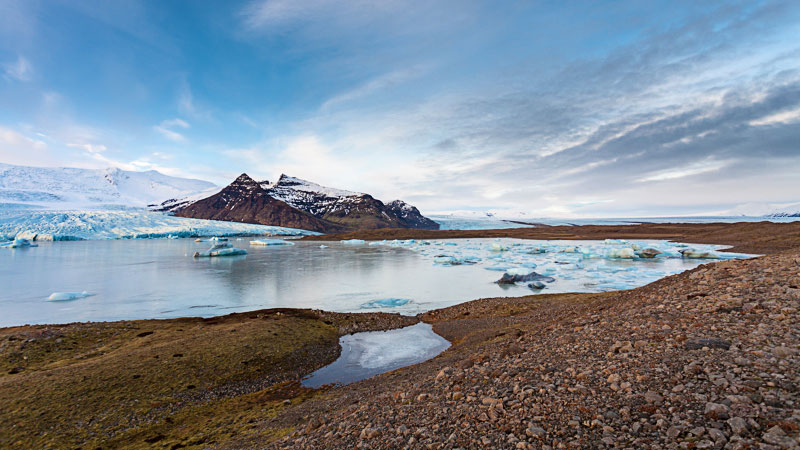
507,278
697,344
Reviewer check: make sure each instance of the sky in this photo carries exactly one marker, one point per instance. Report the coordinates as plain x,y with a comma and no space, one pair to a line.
551,108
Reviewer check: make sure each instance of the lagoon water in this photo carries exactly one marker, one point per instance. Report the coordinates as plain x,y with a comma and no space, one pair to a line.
159,278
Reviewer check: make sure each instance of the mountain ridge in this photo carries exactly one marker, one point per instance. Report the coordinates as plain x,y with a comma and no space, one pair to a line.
335,210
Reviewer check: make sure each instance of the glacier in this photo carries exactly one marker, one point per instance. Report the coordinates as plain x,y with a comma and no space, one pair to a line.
73,188
47,225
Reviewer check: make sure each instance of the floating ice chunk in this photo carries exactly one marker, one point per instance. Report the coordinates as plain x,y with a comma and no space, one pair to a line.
385,303
497,268
266,242
354,242
509,278
218,239
537,285
615,242
696,254
446,260
621,253
648,253
323,246
18,243
66,296
518,271
221,249
495,247
571,250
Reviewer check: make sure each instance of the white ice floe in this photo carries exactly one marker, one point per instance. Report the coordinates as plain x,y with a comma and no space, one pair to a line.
269,242
67,296
221,249
354,242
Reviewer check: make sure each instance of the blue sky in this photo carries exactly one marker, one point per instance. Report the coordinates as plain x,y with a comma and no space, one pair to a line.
553,108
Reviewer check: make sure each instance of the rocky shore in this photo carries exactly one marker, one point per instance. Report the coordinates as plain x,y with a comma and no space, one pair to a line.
706,359
709,358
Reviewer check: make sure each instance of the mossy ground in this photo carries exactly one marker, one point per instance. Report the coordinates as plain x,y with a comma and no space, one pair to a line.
165,383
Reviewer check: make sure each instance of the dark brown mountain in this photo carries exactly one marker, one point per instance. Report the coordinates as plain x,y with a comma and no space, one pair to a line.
246,201
353,210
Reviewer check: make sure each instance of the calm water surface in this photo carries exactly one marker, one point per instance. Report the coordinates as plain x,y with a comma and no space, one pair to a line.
159,278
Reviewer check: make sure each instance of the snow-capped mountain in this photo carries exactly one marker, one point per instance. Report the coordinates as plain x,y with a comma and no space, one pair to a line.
246,201
72,188
292,202
348,208
762,209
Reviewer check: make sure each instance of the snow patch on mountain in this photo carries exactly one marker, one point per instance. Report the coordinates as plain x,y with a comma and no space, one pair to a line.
73,188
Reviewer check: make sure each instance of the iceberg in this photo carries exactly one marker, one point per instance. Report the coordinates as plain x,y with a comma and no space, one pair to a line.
354,242
621,253
67,296
536,285
445,260
648,253
17,243
221,249
267,242
509,278
385,303
323,246
696,254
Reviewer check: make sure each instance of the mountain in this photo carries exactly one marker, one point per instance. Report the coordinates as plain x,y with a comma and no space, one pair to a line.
71,188
762,209
246,201
352,210
296,203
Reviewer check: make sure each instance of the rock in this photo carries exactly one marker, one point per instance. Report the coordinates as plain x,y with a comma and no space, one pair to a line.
738,425
776,436
697,344
614,378
782,352
716,411
536,432
653,397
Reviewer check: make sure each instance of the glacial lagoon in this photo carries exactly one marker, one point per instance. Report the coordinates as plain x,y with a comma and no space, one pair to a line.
159,278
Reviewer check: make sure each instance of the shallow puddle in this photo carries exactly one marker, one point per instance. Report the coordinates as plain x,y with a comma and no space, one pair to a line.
372,353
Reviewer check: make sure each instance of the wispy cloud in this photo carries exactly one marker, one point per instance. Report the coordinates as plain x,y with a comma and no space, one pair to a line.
167,129
20,70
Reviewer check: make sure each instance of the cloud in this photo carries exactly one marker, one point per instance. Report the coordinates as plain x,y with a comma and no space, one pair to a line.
17,148
90,148
20,70
167,129
382,82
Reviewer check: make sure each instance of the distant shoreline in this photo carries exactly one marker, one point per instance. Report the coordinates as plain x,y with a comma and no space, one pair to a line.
743,237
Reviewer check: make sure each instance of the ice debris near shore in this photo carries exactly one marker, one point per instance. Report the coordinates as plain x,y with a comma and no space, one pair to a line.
123,224
67,296
567,266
